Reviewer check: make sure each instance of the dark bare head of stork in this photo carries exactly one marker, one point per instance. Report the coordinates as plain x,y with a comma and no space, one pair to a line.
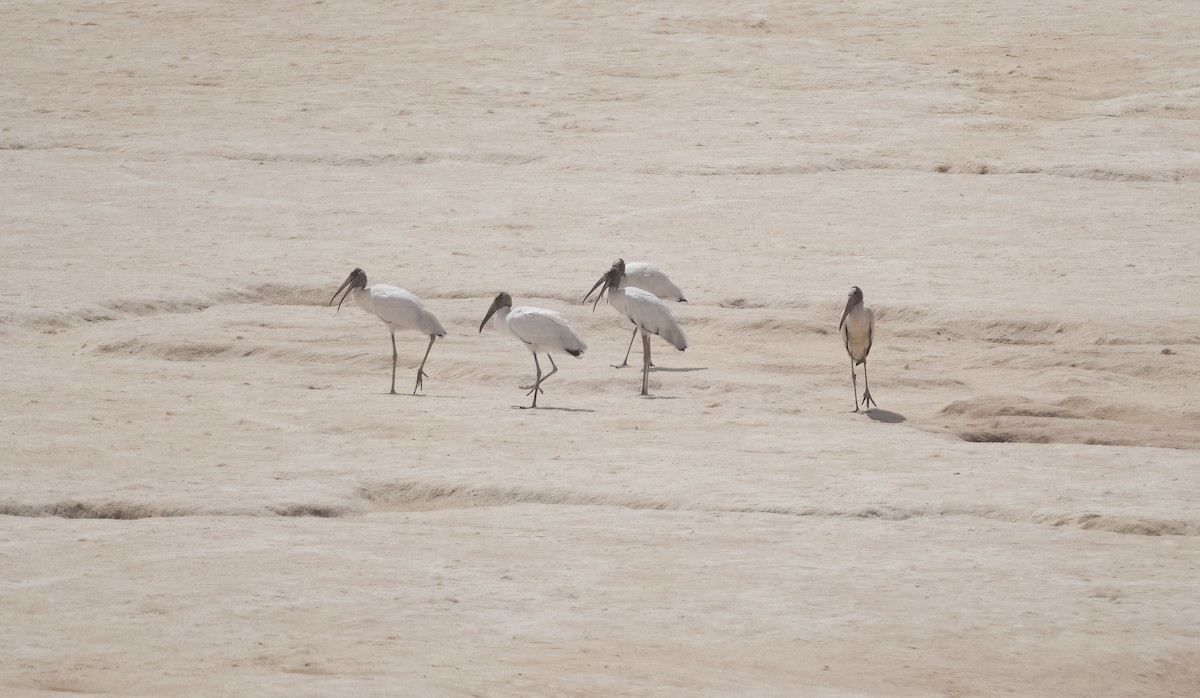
503,300
617,269
357,279
855,298
610,280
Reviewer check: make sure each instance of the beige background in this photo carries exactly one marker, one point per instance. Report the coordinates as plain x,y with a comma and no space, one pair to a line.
207,491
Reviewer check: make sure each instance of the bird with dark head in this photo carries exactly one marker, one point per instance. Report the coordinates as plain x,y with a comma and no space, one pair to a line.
857,328
611,279
502,300
540,330
396,308
617,270
648,313
647,277
357,279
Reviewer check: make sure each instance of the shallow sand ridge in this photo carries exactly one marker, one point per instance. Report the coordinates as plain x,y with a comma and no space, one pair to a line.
205,488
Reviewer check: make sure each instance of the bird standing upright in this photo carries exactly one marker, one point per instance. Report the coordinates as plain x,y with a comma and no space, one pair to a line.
398,309
858,330
650,278
646,311
540,330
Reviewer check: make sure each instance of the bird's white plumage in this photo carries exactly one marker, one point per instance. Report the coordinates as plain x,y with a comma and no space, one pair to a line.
617,301
649,313
650,278
398,309
540,330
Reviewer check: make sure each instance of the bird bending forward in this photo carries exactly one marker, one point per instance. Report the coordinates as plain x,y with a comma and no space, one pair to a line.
646,311
540,330
398,309
858,331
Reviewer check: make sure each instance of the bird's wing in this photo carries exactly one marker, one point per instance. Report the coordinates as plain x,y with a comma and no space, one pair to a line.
650,278
870,328
545,328
402,309
652,315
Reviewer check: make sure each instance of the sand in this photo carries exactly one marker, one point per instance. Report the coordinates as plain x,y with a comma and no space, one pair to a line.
206,489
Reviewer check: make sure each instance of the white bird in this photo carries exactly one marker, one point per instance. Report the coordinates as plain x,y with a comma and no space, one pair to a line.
858,330
398,309
650,278
646,311
540,330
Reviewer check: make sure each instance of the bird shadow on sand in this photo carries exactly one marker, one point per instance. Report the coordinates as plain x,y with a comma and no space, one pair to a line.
664,368
547,409
885,416
426,396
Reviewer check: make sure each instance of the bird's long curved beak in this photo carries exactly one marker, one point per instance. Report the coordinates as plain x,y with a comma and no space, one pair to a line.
603,280
491,311
594,287
849,305
335,293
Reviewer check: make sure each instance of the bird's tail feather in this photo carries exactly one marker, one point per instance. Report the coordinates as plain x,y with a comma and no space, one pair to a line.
674,334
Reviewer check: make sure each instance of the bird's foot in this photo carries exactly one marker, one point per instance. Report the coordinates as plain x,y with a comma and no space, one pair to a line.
623,365
420,384
532,388
867,401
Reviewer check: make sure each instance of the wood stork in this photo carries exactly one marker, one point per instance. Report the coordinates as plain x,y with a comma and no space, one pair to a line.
647,277
539,330
397,308
646,311
858,330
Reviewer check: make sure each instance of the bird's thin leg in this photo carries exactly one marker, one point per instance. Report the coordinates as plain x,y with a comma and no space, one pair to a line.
393,363
544,378
421,369
625,363
867,401
537,383
854,376
645,364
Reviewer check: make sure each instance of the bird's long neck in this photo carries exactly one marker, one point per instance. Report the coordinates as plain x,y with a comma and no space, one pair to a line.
857,317
363,299
502,318
616,296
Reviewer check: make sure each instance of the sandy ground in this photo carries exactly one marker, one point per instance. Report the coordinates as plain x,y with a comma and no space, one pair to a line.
205,488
